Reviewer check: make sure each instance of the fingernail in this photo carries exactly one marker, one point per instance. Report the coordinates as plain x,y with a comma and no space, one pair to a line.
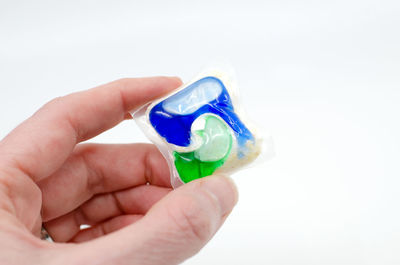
224,189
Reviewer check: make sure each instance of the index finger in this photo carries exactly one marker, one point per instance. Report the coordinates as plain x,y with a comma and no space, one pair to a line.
43,142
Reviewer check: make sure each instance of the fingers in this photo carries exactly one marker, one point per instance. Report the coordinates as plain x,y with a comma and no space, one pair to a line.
176,228
106,227
100,209
101,168
42,143
137,200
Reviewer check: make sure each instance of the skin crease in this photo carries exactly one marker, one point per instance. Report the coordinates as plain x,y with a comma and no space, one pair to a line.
47,175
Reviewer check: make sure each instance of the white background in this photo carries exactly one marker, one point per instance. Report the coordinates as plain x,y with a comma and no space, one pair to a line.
322,76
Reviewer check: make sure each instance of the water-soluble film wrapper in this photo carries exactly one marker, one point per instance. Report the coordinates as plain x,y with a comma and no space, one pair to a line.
201,128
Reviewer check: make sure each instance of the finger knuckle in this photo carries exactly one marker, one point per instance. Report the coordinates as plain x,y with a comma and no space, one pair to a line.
195,217
122,82
54,102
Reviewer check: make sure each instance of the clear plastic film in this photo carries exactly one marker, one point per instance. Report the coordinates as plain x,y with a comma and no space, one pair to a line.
201,128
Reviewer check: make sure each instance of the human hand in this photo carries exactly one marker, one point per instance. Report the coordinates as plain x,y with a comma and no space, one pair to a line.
122,191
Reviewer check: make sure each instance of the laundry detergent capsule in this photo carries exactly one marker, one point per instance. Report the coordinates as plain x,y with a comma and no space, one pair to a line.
201,128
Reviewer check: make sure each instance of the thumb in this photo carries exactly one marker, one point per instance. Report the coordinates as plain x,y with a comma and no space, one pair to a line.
176,228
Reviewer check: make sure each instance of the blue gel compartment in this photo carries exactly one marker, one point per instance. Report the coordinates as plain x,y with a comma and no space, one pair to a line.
173,117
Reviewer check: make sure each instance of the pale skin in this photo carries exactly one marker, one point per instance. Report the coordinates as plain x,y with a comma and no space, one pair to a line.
123,191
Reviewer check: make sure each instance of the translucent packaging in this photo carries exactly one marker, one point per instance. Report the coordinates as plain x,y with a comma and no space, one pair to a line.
201,128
